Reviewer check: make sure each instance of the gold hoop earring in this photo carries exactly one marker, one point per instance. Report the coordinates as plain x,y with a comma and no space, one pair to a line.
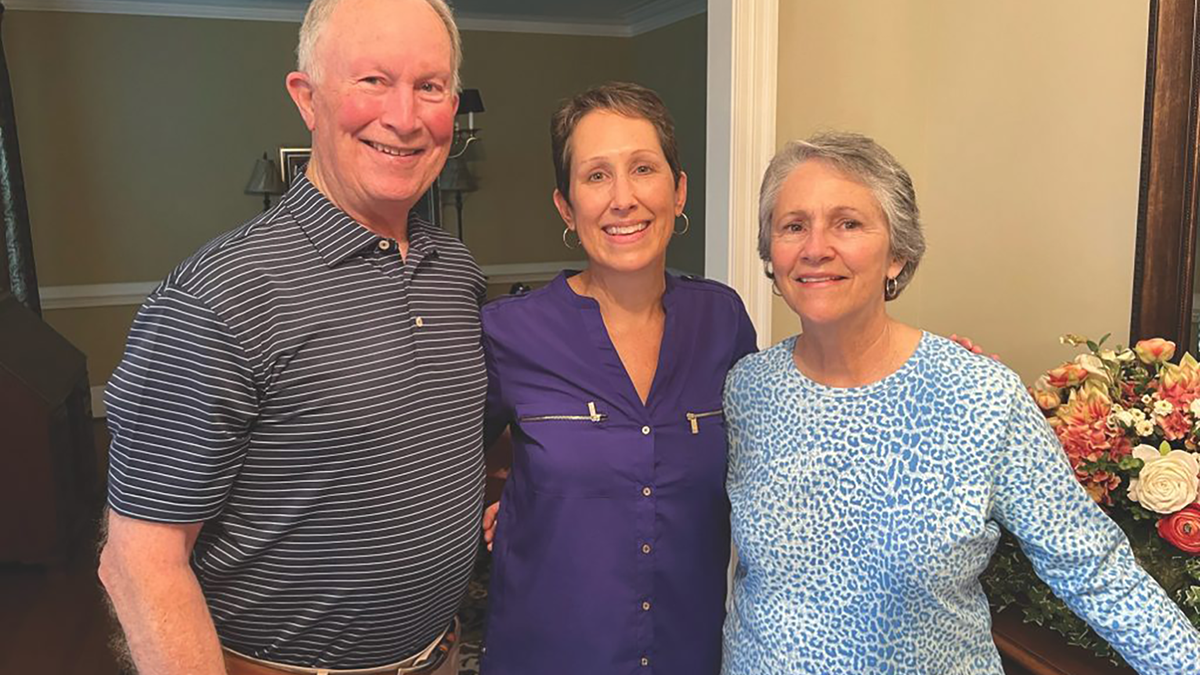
687,224
567,243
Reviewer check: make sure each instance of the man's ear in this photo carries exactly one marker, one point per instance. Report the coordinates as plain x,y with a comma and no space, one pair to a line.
300,88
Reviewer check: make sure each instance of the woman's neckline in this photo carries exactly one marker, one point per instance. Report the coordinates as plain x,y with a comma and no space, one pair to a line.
788,346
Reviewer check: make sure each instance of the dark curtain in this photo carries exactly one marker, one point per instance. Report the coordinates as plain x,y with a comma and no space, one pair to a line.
18,242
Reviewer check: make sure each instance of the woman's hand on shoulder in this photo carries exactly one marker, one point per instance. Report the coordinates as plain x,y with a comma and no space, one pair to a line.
971,346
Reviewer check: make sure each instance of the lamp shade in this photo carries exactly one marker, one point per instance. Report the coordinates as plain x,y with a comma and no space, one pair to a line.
265,180
469,101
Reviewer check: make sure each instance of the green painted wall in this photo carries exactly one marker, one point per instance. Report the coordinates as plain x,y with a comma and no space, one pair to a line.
672,61
522,77
138,135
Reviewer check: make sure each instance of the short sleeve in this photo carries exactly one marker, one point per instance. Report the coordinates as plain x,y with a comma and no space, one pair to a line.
496,415
746,341
181,406
1081,553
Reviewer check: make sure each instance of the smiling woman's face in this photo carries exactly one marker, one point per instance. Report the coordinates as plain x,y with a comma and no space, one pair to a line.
830,248
624,200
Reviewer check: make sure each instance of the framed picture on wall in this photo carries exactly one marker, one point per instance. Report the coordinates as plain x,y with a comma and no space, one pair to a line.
291,162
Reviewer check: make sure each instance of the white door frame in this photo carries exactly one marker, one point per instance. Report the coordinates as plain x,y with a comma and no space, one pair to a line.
742,60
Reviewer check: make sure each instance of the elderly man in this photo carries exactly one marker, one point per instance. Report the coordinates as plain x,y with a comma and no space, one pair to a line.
296,469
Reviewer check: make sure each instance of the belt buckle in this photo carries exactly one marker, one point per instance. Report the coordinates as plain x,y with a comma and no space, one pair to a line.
440,653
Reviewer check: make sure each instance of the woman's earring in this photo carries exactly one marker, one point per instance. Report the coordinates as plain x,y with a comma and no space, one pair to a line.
567,243
889,289
686,225
769,270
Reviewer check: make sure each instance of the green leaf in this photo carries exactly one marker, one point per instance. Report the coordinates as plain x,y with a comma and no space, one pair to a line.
1093,346
1164,448
1130,463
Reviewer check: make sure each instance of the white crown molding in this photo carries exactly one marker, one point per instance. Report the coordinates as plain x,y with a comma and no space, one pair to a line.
245,10
467,21
134,293
645,18
659,13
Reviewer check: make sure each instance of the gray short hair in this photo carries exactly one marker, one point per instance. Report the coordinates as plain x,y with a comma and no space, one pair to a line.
867,162
318,14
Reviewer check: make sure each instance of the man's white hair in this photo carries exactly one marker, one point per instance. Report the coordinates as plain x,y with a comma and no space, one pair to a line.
318,15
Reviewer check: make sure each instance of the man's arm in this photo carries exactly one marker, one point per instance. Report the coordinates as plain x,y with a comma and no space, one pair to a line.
144,567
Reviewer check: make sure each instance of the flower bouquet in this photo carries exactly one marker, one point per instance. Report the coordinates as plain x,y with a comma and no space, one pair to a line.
1129,421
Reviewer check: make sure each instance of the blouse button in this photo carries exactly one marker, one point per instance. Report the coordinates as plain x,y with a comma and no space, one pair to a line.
645,548
646,492
420,322
646,606
384,245
645,661
645,431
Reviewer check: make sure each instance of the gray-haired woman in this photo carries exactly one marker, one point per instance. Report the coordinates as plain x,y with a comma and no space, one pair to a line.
871,464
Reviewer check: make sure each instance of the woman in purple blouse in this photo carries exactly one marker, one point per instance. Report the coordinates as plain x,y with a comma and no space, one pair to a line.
612,541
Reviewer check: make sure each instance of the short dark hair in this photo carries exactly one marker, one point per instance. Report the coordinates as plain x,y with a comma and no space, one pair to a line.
623,98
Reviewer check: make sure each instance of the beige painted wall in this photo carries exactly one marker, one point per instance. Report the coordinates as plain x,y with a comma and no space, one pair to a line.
1020,123
138,135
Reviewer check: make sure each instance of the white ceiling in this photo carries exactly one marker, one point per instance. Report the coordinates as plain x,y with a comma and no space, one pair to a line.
586,17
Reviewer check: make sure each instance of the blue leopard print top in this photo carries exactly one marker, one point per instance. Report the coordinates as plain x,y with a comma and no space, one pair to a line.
863,517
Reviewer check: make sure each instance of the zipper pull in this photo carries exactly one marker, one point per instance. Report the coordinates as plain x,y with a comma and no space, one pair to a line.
592,414
695,425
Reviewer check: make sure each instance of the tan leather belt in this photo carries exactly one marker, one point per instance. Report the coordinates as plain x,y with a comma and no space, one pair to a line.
426,661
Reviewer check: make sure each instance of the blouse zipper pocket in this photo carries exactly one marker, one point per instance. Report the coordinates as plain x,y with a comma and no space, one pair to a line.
693,419
592,416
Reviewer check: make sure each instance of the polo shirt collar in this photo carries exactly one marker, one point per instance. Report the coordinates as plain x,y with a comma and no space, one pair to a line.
334,233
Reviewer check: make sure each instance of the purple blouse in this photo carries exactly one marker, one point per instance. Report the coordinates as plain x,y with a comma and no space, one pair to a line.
613,534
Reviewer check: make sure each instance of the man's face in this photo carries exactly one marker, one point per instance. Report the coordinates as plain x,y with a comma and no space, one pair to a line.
380,107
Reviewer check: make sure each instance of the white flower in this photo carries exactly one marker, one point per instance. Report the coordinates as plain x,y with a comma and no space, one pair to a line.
1094,367
1124,418
1136,415
1167,482
1146,399
1126,355
1144,428
1163,408
1195,408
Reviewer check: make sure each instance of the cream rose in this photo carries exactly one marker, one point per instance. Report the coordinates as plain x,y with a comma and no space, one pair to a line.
1167,482
1094,367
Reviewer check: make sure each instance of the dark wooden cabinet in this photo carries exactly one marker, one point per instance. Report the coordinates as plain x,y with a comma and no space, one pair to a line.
47,460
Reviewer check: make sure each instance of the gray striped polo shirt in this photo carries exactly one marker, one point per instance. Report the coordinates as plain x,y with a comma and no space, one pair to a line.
316,401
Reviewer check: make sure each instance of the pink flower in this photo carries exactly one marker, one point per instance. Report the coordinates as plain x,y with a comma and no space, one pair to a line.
1066,375
1175,426
1154,350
